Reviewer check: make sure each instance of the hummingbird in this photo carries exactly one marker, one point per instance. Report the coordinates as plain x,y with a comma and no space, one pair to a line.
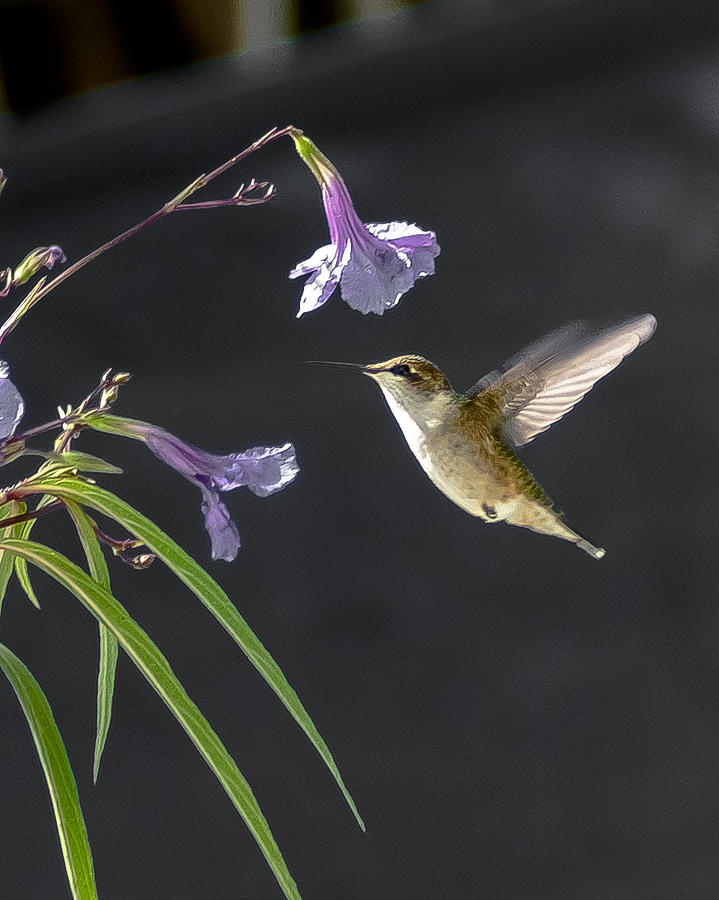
466,442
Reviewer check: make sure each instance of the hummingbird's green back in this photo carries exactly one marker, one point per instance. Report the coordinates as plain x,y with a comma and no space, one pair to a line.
480,418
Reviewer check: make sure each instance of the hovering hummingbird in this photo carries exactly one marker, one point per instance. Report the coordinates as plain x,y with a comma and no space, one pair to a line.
465,442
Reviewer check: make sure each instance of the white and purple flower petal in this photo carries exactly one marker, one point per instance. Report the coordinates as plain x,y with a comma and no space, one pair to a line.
11,404
326,266
264,470
374,264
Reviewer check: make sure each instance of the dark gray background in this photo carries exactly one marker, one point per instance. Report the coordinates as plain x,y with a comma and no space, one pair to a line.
514,719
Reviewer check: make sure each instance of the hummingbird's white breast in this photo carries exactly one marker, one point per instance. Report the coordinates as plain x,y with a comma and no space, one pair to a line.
417,430
453,464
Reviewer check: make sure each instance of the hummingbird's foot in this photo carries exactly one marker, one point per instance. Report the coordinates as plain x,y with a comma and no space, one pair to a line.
596,552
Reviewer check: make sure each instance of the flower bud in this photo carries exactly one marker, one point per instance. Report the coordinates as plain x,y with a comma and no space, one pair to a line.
142,561
5,282
35,260
10,451
108,396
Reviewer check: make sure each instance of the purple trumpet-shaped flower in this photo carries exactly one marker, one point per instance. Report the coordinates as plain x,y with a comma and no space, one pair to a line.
263,470
374,265
11,404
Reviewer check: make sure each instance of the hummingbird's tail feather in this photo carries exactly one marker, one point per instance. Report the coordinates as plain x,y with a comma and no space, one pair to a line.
539,516
596,552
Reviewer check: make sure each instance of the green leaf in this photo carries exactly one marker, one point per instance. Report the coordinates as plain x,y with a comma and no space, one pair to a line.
208,592
58,774
24,578
21,564
6,560
153,665
108,644
83,462
14,508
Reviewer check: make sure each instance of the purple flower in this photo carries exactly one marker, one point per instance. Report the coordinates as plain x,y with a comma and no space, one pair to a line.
373,264
263,470
11,404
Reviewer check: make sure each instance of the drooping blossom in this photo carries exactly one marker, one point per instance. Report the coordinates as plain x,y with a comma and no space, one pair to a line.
11,404
373,264
263,470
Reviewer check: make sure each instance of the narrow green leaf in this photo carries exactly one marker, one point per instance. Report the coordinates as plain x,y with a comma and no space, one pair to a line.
14,508
210,594
156,669
24,578
21,564
83,462
6,560
58,774
108,644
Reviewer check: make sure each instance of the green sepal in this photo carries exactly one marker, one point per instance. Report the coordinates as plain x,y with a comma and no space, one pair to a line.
315,160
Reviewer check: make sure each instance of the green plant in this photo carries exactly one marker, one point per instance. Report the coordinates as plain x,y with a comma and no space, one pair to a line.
64,483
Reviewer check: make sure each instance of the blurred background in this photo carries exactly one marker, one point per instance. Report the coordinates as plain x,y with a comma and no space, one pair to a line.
85,45
514,719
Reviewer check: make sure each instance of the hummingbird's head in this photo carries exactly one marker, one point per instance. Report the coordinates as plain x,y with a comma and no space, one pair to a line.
416,391
412,381
408,376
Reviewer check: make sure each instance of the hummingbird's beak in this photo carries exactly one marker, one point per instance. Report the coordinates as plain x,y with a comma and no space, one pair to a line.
326,364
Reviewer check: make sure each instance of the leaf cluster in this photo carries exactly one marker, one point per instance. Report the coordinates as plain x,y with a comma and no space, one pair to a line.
62,485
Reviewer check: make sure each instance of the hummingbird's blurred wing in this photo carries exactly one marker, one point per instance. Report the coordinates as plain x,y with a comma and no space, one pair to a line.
535,388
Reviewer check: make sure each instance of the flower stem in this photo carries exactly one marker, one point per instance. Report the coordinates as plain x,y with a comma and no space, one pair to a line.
177,203
31,514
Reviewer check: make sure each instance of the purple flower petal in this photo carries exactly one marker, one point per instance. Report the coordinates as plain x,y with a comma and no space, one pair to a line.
11,404
264,470
377,263
224,536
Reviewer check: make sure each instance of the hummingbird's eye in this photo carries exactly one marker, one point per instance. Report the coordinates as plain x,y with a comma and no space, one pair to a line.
402,370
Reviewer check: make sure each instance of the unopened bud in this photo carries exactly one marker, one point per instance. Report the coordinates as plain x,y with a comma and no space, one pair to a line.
35,260
108,396
121,377
11,450
5,282
3,180
141,561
